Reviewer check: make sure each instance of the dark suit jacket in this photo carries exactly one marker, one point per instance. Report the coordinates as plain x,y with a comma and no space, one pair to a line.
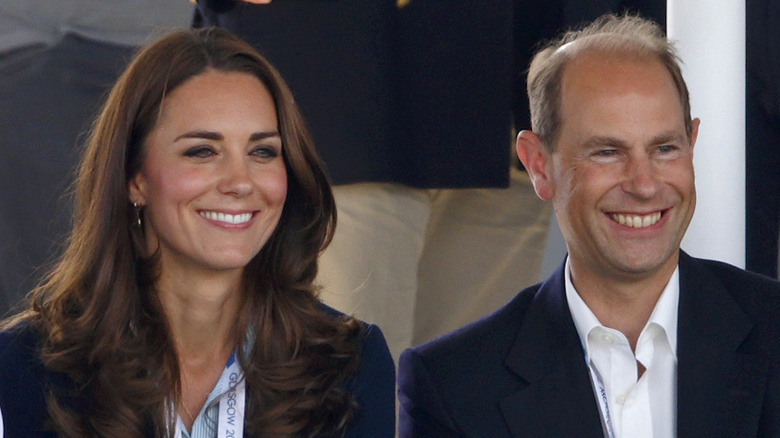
520,372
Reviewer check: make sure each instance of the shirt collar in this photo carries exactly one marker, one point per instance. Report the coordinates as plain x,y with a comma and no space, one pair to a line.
664,313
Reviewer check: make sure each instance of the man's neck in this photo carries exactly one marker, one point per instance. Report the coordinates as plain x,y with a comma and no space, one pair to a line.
621,303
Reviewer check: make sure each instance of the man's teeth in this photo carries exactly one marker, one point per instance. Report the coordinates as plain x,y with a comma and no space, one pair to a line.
225,217
636,221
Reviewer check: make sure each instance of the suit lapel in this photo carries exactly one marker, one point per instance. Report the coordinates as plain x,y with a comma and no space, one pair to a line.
558,399
719,390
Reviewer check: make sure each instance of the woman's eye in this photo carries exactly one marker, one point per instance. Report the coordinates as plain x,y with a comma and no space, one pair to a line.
199,152
265,152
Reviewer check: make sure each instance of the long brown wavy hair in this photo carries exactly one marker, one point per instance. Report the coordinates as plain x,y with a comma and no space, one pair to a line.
97,313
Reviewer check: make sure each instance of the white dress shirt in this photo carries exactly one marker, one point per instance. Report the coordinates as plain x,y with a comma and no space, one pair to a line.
631,407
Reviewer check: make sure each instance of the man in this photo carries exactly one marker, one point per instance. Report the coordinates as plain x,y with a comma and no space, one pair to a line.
631,337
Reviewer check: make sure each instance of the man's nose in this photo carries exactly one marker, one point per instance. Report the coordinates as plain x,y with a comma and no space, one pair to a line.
641,179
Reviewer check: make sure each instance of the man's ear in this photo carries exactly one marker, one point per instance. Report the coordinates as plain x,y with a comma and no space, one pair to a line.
534,157
694,132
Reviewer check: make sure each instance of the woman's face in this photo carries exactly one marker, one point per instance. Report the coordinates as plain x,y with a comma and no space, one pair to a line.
213,180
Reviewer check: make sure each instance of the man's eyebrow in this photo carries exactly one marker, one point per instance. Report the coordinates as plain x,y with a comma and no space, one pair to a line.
668,137
664,137
599,140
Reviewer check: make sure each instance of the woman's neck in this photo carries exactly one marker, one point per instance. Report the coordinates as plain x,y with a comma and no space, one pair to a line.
202,311
203,315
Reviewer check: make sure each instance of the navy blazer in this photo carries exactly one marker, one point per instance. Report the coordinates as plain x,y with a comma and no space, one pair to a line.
24,382
520,372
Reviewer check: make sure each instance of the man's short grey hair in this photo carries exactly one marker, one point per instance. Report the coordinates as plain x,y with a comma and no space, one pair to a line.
626,34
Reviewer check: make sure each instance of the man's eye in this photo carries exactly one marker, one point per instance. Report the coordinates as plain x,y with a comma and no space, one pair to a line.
199,152
606,153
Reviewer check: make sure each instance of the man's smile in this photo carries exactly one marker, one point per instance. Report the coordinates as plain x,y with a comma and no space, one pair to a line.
636,220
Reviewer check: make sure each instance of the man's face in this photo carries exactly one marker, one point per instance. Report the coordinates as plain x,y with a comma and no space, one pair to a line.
621,177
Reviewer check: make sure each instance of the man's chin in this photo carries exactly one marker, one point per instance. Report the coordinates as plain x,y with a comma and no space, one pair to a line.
644,264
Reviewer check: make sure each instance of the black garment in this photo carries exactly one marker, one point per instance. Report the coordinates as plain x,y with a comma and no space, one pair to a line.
419,95
762,136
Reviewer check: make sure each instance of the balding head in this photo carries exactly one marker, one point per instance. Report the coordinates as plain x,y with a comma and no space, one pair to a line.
611,35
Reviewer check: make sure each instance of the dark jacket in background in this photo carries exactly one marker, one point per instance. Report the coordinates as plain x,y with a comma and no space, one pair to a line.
419,95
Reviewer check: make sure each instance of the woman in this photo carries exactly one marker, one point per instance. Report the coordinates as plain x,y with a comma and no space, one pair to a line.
185,294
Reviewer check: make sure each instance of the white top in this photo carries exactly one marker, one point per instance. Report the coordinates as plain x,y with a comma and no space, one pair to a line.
631,407
222,415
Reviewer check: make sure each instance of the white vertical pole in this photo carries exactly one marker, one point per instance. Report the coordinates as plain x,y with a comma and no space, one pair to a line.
710,38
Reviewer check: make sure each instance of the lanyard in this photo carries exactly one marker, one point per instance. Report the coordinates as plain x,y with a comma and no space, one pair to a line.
232,402
601,395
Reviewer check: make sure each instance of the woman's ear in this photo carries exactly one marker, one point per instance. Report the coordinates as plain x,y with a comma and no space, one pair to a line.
136,190
534,156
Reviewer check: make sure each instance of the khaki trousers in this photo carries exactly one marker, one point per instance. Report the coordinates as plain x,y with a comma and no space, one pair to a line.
420,263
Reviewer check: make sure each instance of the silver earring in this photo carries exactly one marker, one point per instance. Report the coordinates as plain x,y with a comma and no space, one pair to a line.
137,213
